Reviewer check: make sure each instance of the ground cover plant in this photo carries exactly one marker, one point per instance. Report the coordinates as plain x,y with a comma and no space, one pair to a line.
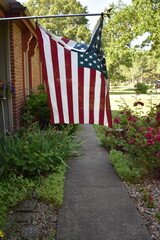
34,159
134,141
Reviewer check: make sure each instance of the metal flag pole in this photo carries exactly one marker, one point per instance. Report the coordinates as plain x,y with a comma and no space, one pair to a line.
55,16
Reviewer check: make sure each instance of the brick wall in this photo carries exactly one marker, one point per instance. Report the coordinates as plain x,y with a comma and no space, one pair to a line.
17,71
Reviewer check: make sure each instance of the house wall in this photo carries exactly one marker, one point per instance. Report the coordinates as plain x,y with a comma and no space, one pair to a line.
23,69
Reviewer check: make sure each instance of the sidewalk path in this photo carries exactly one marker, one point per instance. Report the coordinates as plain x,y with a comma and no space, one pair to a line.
96,204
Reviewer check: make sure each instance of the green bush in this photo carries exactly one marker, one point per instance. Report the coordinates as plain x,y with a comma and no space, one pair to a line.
124,167
36,110
36,151
141,88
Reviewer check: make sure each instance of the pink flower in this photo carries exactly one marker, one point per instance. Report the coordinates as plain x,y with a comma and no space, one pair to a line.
150,142
116,120
131,141
150,198
149,135
150,129
132,118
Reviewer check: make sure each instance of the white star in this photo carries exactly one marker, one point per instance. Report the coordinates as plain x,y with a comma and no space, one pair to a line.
90,56
90,64
99,60
95,61
98,37
81,62
81,55
86,59
98,66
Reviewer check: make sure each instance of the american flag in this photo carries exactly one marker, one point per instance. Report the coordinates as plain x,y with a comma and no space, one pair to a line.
76,78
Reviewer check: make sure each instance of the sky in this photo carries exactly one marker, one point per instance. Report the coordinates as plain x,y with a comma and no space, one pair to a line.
98,6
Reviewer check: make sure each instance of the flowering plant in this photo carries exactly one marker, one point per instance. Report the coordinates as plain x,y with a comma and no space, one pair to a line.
139,137
6,87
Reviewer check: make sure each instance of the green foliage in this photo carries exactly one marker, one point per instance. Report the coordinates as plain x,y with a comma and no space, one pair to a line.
124,166
35,152
136,137
36,109
73,28
13,190
51,188
141,88
127,61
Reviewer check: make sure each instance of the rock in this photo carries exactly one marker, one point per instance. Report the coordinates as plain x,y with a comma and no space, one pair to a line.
30,233
23,218
27,206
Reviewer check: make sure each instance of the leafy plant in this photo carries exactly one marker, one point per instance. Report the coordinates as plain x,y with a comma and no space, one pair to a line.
36,151
51,188
141,88
13,189
123,166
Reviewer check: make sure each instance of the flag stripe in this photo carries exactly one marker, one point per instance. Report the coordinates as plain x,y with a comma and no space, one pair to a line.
57,76
69,85
97,97
81,93
86,94
92,94
63,84
74,63
41,43
102,101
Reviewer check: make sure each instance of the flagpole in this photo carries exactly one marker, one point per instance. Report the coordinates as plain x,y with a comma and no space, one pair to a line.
54,16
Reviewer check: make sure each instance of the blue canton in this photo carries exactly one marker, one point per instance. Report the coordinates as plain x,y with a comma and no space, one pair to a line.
93,56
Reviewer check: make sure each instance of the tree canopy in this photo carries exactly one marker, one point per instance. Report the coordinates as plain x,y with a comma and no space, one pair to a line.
75,28
125,60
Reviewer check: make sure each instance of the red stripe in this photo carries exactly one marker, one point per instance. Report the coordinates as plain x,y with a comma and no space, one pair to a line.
102,101
91,95
67,54
81,94
45,75
108,110
65,40
55,62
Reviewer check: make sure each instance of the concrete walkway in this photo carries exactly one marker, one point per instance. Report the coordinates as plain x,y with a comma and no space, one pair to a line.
96,204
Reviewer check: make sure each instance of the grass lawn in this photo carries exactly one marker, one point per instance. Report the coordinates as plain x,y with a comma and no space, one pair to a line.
119,95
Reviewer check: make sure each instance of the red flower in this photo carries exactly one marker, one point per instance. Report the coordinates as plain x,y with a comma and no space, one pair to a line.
132,118
116,120
149,135
150,198
150,142
138,103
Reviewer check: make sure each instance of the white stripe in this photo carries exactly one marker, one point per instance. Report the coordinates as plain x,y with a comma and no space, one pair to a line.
71,44
63,84
97,97
86,94
74,64
49,66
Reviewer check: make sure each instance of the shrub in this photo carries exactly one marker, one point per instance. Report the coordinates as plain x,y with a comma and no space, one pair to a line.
36,151
138,137
141,88
123,166
36,110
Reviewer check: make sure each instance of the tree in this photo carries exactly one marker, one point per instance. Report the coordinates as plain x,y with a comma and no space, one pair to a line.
125,25
75,28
